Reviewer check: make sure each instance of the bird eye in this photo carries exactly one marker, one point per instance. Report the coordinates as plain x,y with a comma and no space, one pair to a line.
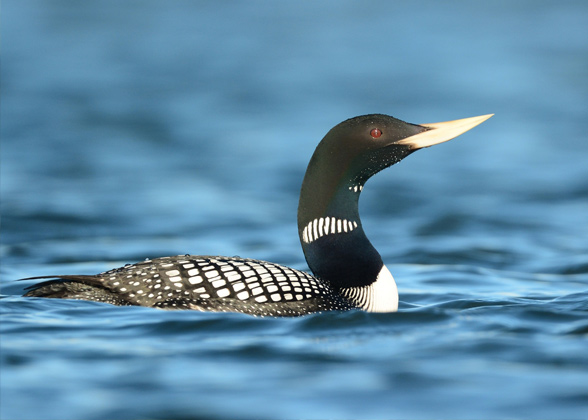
375,133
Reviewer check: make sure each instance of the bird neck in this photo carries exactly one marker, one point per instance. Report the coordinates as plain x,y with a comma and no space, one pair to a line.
332,237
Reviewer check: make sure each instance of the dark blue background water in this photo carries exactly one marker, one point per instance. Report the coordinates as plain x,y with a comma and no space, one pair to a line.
143,129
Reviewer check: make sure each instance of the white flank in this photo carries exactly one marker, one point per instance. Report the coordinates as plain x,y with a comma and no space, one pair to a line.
380,296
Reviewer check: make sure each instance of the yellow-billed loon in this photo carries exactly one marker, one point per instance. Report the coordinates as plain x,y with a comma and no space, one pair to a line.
348,271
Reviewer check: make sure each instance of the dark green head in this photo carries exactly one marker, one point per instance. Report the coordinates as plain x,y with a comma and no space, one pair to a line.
358,148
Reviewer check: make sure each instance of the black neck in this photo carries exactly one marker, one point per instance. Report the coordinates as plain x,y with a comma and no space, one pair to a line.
345,259
341,164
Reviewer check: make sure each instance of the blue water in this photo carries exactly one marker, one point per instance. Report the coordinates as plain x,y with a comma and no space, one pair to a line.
144,129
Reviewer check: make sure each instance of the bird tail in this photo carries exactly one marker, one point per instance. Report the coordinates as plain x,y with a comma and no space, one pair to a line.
74,287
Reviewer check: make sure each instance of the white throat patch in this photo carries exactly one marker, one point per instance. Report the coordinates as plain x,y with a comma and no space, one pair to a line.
326,226
380,296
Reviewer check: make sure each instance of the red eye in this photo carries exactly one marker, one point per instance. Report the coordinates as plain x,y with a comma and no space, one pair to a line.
375,133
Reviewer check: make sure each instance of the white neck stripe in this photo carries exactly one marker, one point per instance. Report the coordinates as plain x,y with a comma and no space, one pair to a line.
326,226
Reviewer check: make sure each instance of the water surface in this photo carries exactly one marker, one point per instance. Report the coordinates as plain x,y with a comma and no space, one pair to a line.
133,130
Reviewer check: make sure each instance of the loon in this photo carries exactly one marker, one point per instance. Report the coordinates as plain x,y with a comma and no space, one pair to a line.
348,271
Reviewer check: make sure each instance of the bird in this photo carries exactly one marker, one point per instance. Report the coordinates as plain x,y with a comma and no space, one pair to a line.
348,272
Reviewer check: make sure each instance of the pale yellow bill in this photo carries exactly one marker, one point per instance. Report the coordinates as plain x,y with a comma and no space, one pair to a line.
442,131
